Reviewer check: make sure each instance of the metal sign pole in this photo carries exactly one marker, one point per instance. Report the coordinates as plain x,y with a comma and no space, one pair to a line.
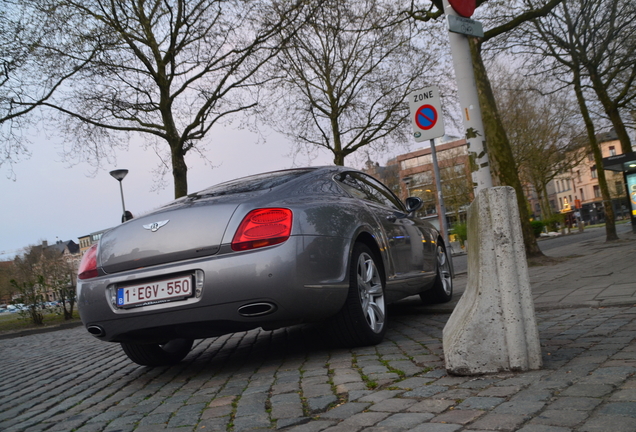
440,197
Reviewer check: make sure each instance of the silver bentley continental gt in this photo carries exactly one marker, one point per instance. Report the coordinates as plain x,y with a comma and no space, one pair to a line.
327,244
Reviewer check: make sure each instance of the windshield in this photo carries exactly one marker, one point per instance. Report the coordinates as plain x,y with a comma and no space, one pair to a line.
252,183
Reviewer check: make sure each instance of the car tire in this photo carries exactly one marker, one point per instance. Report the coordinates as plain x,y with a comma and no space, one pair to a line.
362,320
442,290
169,353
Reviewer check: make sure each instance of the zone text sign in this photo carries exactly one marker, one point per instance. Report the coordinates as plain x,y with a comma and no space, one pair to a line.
426,114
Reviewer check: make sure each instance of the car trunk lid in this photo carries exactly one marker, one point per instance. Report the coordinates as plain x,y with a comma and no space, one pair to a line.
180,232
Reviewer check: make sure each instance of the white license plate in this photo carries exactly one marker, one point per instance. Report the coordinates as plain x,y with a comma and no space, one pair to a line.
155,292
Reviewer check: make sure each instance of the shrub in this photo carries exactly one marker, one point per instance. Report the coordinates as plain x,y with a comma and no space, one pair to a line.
460,230
537,227
554,221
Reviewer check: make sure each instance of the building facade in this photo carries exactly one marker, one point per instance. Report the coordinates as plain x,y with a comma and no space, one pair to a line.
418,179
86,241
579,188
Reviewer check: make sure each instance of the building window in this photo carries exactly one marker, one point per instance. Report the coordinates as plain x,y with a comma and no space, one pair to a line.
422,178
590,157
612,150
593,172
597,191
578,175
582,195
417,161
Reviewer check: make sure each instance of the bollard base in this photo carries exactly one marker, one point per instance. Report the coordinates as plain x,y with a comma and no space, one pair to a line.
493,327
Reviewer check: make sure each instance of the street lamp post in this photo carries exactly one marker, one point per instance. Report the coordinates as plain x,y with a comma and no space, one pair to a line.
119,176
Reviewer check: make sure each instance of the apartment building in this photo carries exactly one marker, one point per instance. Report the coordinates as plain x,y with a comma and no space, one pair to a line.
579,188
416,171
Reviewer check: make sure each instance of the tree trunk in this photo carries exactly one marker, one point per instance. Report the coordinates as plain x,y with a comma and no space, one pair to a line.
179,171
544,203
499,146
611,110
610,225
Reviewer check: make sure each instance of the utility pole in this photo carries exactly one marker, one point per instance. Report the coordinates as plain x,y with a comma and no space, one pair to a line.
468,97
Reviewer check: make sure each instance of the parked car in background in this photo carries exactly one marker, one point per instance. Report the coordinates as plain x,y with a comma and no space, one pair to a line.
17,307
327,244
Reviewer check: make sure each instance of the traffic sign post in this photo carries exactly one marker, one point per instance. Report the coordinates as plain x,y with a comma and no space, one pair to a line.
428,124
426,114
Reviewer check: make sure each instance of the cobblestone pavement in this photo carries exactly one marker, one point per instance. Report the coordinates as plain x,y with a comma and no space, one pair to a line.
66,380
292,379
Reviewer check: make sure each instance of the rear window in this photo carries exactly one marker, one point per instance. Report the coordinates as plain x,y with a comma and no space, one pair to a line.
252,183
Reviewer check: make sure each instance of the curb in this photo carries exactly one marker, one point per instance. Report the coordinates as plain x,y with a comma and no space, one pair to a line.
29,332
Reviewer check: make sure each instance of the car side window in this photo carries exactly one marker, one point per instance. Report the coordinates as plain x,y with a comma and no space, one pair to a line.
381,194
353,186
367,188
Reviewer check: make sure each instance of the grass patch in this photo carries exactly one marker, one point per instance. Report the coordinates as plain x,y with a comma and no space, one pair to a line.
10,322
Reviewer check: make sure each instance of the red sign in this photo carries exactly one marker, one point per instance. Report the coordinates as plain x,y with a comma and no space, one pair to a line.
426,117
464,8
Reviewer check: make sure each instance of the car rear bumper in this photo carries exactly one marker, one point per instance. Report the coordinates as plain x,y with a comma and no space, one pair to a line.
301,280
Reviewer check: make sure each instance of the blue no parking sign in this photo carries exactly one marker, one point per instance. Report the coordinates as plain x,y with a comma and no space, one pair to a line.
426,114
426,117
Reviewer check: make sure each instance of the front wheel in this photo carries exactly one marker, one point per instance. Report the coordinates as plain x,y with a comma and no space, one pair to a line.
362,319
442,290
166,354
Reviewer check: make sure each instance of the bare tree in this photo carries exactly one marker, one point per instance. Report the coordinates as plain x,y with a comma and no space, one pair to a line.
36,58
28,283
341,83
582,44
602,34
59,278
168,70
457,186
544,130
39,272
7,290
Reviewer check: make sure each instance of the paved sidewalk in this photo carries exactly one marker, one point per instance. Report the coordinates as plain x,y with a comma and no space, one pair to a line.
291,379
594,273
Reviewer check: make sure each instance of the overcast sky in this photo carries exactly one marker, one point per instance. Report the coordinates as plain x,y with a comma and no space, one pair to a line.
50,201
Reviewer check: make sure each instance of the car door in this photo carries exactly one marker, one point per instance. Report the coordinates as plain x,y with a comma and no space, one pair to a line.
405,239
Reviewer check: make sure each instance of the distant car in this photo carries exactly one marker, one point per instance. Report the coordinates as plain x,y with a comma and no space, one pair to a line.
17,307
303,245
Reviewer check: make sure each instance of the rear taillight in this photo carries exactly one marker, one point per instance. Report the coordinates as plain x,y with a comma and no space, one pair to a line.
88,265
263,227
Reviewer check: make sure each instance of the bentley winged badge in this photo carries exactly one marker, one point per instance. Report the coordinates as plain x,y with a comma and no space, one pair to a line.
156,225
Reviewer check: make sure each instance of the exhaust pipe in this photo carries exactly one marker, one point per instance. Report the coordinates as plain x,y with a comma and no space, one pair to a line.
96,330
257,309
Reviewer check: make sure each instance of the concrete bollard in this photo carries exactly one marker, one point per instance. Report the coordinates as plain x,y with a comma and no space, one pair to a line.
493,327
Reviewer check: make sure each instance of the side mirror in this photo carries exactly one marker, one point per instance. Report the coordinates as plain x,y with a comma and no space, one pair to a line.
413,204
